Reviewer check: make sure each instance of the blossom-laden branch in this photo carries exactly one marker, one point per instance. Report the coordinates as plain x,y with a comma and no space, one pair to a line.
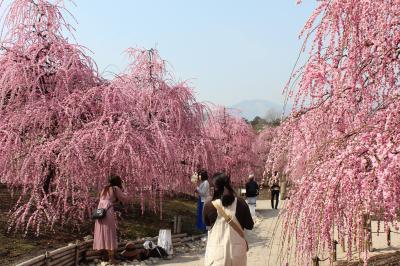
341,142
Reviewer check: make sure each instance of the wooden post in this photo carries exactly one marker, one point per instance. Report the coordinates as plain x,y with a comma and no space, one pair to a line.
282,187
388,237
367,232
175,223
334,253
76,253
282,190
315,261
370,234
364,221
342,245
179,225
46,258
84,255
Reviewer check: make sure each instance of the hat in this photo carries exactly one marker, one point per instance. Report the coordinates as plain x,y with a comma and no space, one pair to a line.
251,176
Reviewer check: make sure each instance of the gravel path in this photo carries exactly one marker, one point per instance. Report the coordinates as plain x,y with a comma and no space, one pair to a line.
259,240
264,249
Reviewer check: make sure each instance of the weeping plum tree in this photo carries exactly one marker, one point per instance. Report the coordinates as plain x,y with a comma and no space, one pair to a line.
342,138
148,128
232,140
63,129
42,81
262,145
177,120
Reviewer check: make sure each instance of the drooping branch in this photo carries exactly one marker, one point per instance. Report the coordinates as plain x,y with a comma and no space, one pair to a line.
341,140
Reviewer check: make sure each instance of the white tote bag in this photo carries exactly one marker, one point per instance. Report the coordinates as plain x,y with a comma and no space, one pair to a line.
252,210
251,201
165,240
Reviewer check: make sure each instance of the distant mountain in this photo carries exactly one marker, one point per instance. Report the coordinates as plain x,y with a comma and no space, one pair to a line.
252,108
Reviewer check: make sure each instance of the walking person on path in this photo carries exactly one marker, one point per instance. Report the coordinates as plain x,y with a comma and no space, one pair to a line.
204,193
105,229
252,191
227,216
275,188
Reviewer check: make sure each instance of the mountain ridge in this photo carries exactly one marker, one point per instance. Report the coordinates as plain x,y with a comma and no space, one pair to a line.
249,109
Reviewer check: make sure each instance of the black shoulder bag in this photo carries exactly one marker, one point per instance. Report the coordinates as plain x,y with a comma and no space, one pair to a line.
100,213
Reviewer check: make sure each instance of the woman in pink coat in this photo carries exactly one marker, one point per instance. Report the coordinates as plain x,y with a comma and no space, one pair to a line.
105,229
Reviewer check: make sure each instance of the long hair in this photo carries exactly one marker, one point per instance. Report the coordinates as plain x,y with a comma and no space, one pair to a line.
223,189
203,175
113,181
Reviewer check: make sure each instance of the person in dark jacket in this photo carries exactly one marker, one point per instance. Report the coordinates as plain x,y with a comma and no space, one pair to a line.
275,188
252,191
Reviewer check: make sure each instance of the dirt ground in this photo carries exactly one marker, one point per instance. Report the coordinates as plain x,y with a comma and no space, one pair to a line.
16,247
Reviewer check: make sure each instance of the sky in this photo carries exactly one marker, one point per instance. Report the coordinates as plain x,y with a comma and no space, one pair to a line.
228,51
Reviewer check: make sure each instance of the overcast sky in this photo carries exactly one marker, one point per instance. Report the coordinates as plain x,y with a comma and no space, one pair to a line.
229,50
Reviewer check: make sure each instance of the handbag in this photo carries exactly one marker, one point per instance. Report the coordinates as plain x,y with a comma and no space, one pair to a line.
100,213
229,220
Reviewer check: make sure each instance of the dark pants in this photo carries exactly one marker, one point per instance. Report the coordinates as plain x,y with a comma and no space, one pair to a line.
200,222
274,194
